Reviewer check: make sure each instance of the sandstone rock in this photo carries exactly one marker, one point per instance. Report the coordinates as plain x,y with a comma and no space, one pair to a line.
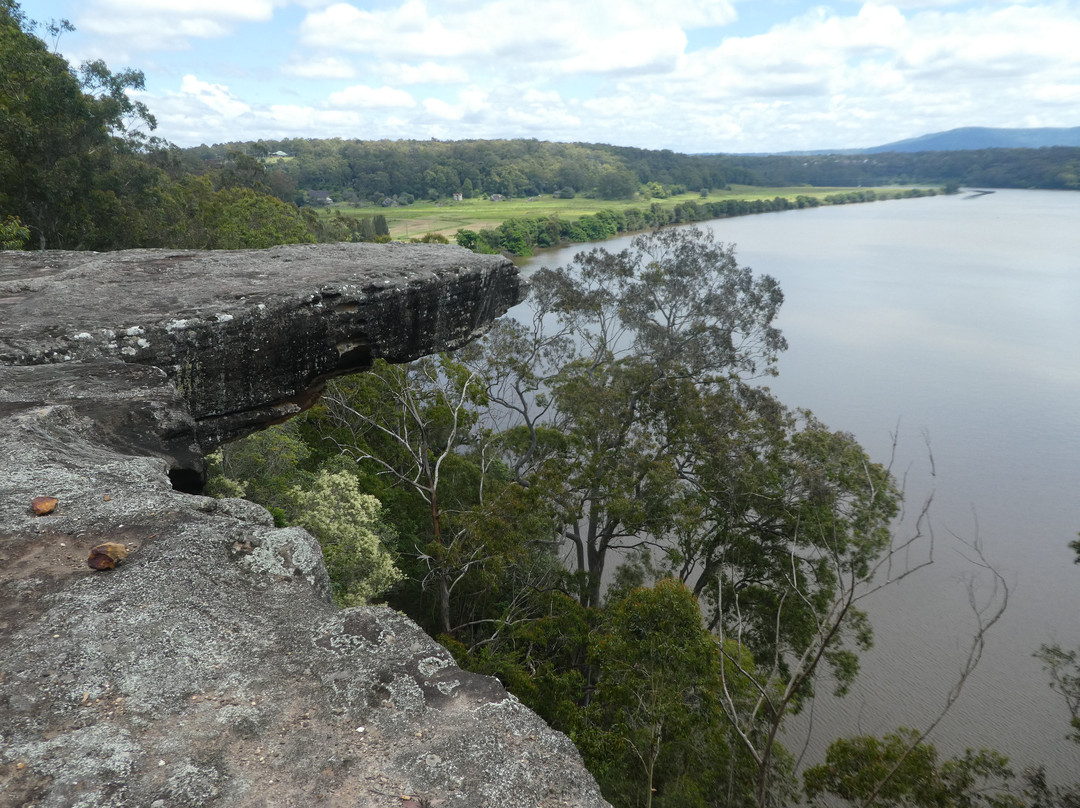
249,337
211,668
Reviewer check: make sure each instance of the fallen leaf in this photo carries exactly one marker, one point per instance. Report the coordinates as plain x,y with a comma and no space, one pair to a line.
44,505
106,556
107,498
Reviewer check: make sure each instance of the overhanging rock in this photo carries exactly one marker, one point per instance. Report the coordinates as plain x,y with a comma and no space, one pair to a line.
210,668
249,337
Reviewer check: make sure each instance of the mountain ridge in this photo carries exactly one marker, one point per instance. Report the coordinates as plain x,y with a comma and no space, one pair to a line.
964,138
983,137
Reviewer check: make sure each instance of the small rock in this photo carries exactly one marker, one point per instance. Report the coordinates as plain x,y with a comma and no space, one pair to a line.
43,505
106,556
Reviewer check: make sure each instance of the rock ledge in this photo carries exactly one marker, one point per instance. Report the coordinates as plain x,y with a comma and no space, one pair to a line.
210,668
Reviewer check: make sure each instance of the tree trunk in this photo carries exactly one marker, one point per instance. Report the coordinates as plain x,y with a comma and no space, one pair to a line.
444,577
444,601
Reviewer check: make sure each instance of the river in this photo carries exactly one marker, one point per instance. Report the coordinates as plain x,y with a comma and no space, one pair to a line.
952,321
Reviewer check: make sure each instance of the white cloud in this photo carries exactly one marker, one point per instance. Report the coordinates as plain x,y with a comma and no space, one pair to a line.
214,96
1058,94
443,110
425,73
170,24
406,31
327,67
151,32
295,118
658,49
619,71
559,36
827,80
1016,40
472,103
924,4
233,9
362,96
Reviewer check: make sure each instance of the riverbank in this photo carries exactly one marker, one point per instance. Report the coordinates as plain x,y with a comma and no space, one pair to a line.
447,217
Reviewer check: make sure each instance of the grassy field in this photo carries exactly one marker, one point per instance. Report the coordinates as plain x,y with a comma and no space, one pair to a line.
413,221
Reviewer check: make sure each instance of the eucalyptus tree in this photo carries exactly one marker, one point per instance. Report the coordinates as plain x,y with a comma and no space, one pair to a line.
409,422
64,134
618,336
639,419
657,704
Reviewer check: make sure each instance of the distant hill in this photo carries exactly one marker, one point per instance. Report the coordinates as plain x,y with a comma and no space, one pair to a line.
981,137
968,138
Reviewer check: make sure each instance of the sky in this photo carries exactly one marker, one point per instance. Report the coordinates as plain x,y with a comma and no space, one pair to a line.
687,75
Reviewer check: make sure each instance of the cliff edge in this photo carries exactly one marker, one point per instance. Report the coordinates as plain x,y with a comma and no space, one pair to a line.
210,667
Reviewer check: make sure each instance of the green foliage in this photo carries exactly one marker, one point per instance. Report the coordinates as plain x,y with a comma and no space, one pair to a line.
781,520
353,533
513,168
648,327
1064,670
658,675
262,467
517,235
240,218
622,420
900,772
13,234
403,170
486,242
538,648
409,425
53,136
616,182
432,238
78,169
269,468
1054,167
68,141
634,424
336,226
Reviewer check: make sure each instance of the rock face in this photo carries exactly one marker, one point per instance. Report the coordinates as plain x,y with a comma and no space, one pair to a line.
249,337
210,668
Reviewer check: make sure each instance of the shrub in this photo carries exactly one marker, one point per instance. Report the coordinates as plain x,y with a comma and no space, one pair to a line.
350,527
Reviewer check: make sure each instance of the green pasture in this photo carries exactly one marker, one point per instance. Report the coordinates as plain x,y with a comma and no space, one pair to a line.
448,216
